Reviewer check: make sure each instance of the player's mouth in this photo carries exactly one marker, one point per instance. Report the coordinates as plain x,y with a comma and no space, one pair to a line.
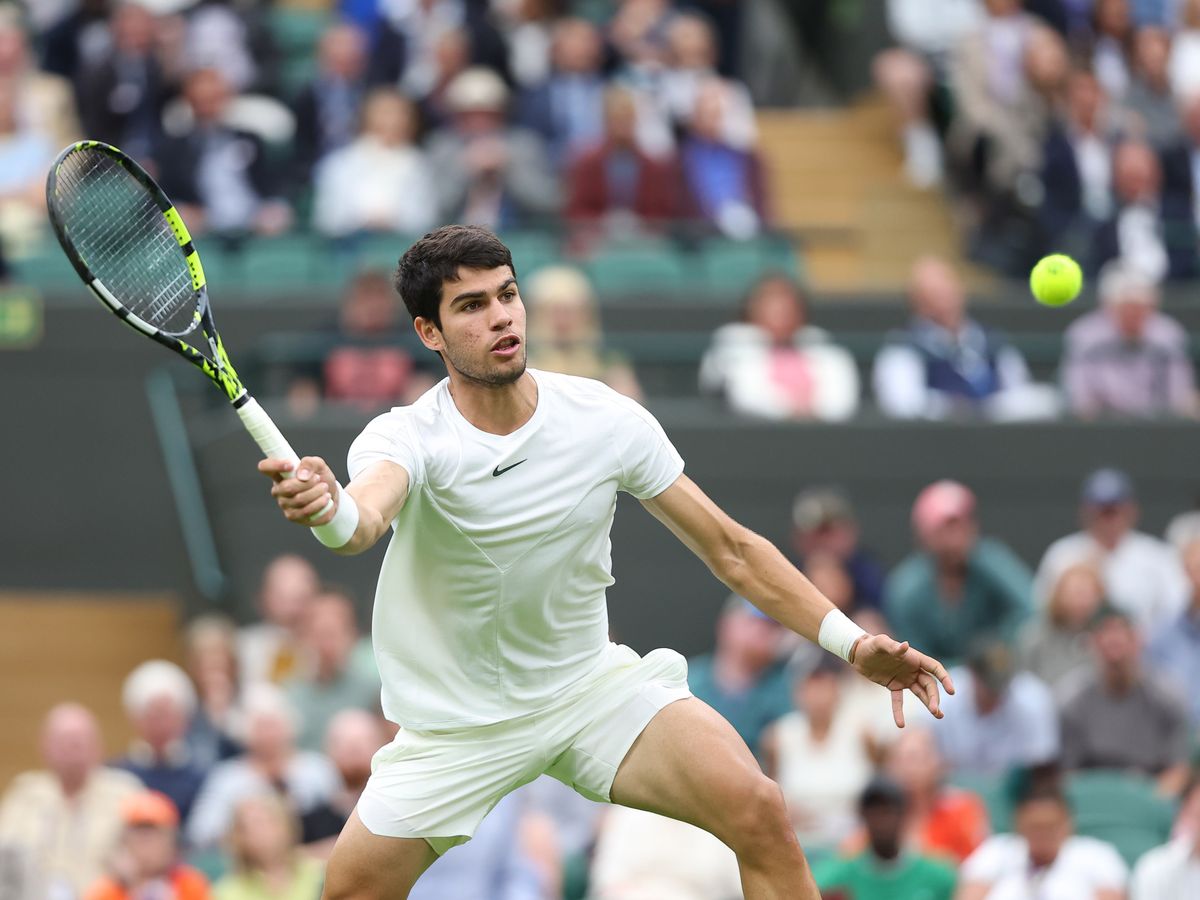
507,346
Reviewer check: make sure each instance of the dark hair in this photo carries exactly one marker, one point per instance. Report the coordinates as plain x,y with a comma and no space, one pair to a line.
769,279
436,258
1032,784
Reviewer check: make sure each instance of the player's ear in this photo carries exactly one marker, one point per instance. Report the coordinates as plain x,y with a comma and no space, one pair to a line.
428,332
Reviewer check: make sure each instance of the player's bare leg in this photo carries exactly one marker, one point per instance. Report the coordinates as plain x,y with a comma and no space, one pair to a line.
691,765
365,866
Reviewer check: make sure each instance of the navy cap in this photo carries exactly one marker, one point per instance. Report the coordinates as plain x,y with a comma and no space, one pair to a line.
1107,486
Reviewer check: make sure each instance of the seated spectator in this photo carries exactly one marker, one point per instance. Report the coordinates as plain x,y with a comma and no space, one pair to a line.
945,363
886,869
333,683
1180,159
25,157
821,753
1122,718
743,678
1173,652
1149,103
122,94
221,36
528,30
399,195
723,183
567,108
1110,45
68,816
564,328
327,108
615,187
1184,65
270,650
1043,857
824,523
774,364
451,57
958,587
351,740
146,863
998,718
264,846
44,102
159,701
488,172
1055,645
1141,573
219,176
211,649
1172,871
271,763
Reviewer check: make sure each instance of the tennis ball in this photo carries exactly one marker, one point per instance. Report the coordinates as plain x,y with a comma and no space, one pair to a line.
1056,280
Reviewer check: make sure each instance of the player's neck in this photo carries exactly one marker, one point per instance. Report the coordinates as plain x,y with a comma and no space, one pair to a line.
494,408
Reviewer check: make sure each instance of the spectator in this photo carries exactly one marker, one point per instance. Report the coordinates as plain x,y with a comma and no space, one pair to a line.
1172,871
451,57
1142,575
1149,101
821,753
1111,46
351,741
220,176
327,108
1056,645
1184,65
945,363
567,108
330,634
399,195
998,718
565,331
1180,160
213,733
68,816
122,94
743,679
271,762
267,862
159,701
528,29
886,869
958,586
823,522
44,104
270,650
1121,718
489,173
25,157
616,187
1043,858
219,36
723,182
146,864
774,364
1174,651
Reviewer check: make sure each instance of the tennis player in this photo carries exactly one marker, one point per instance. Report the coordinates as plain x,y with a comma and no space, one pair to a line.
490,622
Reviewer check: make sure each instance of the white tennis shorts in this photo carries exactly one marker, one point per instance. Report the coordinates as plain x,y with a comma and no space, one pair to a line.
439,785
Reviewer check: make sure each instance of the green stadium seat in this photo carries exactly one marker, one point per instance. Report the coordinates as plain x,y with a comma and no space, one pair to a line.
45,266
992,790
728,268
380,251
1122,808
532,250
634,270
296,33
286,262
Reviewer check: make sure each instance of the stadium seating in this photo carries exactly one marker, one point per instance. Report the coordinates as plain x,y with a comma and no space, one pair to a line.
1121,808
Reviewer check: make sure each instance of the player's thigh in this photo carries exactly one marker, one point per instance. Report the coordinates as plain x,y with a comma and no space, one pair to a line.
366,866
691,765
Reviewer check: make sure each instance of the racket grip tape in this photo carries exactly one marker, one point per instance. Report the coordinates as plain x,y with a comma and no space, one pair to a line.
270,439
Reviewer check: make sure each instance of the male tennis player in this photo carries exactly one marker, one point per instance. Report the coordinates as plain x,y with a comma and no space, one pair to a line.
490,622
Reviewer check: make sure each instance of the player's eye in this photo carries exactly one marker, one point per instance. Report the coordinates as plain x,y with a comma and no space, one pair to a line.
508,295
470,307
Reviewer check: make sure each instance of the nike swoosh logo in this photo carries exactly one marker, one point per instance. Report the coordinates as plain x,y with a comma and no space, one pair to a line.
499,471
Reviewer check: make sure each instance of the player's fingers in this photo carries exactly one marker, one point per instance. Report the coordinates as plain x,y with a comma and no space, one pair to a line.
898,708
276,469
899,650
310,493
311,509
933,699
311,467
287,488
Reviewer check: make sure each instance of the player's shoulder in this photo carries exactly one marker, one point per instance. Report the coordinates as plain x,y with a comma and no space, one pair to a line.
587,393
423,413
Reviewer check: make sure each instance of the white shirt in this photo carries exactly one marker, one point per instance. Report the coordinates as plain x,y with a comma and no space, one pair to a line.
1169,872
398,193
1083,866
491,600
1142,575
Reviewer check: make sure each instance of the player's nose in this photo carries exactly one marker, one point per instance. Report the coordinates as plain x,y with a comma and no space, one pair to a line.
501,316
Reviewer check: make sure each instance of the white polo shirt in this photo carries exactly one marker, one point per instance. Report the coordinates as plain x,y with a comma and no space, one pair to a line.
491,599
1083,866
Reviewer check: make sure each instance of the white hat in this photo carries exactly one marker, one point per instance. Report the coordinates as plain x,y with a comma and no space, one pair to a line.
477,88
1122,283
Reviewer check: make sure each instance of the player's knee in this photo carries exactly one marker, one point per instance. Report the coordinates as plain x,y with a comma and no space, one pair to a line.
759,819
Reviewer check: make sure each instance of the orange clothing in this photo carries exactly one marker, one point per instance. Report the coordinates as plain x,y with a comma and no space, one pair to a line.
953,828
186,883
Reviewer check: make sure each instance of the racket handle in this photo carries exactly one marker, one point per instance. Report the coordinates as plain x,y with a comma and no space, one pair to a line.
270,439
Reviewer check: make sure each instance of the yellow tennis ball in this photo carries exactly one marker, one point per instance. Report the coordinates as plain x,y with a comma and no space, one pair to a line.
1056,280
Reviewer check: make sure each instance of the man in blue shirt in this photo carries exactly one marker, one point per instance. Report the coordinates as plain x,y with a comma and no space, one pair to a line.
1174,651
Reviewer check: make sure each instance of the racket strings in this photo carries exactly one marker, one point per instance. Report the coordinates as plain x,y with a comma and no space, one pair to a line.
119,231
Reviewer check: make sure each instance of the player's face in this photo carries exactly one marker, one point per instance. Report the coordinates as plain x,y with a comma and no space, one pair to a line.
482,336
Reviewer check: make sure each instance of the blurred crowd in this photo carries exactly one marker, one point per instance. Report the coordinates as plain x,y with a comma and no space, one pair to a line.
1068,758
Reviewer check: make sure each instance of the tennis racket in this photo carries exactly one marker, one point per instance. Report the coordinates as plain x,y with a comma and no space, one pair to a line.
129,245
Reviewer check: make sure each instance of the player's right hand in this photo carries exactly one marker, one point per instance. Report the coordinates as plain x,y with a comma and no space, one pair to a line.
303,490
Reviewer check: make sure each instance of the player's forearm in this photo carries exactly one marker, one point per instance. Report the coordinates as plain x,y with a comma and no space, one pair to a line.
371,527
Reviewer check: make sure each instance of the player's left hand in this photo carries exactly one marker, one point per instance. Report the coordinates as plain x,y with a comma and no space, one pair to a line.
898,667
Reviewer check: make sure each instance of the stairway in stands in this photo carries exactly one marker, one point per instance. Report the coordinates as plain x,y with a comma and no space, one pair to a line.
56,647
836,179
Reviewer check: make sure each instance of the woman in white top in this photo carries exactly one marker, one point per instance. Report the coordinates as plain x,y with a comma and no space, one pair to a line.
380,181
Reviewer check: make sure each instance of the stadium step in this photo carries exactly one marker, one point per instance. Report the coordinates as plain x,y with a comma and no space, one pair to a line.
57,647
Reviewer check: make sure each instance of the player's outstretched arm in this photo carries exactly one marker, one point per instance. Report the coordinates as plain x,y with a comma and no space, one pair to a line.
754,568
376,495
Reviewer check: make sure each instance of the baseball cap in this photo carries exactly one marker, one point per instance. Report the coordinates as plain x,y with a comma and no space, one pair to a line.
149,808
941,502
820,506
477,88
1105,487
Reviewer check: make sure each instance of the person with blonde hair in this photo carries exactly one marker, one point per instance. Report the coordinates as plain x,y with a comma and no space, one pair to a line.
263,842
1056,646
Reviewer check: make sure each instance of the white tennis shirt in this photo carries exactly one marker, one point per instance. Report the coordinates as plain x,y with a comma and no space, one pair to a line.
491,600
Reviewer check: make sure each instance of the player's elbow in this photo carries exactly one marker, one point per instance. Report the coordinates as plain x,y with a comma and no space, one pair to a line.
731,560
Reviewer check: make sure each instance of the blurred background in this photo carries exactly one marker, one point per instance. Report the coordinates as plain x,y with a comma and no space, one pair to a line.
799,231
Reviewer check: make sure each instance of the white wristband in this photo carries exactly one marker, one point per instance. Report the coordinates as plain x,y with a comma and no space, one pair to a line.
338,531
838,633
